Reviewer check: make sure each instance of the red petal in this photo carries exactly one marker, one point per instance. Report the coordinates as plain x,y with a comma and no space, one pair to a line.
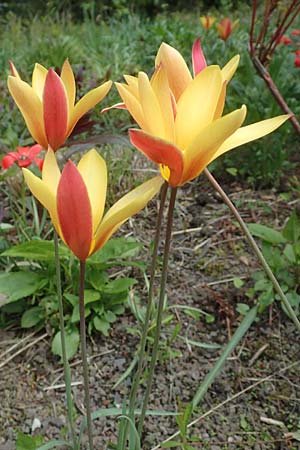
35,150
55,110
8,160
160,152
74,211
199,62
39,162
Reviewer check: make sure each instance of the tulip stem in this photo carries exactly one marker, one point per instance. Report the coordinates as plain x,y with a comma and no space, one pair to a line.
67,371
84,354
160,308
255,247
142,346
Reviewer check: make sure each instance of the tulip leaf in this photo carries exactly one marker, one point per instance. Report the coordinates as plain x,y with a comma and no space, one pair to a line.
35,250
117,248
119,285
101,325
266,234
17,285
32,317
72,343
27,442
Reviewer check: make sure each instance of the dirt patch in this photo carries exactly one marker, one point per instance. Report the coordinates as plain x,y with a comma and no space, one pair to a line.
253,404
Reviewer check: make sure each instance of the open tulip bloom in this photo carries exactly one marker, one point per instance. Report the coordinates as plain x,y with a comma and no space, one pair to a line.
182,127
23,157
76,197
48,106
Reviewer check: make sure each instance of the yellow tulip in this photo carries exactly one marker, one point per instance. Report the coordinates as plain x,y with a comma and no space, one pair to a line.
48,106
207,21
76,197
182,127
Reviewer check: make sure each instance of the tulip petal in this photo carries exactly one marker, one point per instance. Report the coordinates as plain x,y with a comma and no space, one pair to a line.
221,102
87,102
38,79
93,170
115,106
198,58
178,73
197,105
44,195
160,152
160,85
251,132
9,159
31,108
55,110
126,207
229,69
203,150
152,112
68,80
74,211
51,173
132,104
34,150
13,70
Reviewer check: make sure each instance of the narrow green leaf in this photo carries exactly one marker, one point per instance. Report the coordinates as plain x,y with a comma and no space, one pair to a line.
36,250
266,234
53,444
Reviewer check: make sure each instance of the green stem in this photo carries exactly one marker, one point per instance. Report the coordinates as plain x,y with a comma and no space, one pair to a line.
67,371
138,375
161,302
253,244
84,354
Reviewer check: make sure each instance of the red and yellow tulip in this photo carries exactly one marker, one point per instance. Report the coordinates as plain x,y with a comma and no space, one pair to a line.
48,106
182,127
207,21
76,197
226,27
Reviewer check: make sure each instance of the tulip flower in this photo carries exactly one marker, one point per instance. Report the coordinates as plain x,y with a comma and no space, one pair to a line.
48,106
181,124
297,58
226,27
207,21
23,157
75,200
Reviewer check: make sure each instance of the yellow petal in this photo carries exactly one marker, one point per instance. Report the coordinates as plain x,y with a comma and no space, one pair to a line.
203,150
38,79
13,70
86,103
178,73
44,194
197,105
221,102
160,85
251,132
133,84
229,69
51,172
68,80
132,104
126,207
154,120
31,108
92,168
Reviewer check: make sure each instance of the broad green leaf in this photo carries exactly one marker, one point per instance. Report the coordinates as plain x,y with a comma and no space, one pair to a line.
75,318
238,282
110,316
289,253
32,317
27,442
91,296
97,278
119,285
266,234
72,343
17,285
101,325
242,308
36,250
291,230
117,248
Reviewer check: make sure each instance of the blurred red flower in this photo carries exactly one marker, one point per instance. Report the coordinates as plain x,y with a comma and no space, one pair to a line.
23,157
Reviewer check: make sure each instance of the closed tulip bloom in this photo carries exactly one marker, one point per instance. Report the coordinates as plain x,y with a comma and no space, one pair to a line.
76,197
226,27
48,106
180,117
207,21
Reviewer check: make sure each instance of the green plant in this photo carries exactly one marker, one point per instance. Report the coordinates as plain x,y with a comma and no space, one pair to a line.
281,249
105,298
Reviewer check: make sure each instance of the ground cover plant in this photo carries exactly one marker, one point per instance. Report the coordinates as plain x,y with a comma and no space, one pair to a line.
42,280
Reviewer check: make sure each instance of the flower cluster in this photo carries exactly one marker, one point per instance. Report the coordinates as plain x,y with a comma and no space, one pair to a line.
294,42
225,27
